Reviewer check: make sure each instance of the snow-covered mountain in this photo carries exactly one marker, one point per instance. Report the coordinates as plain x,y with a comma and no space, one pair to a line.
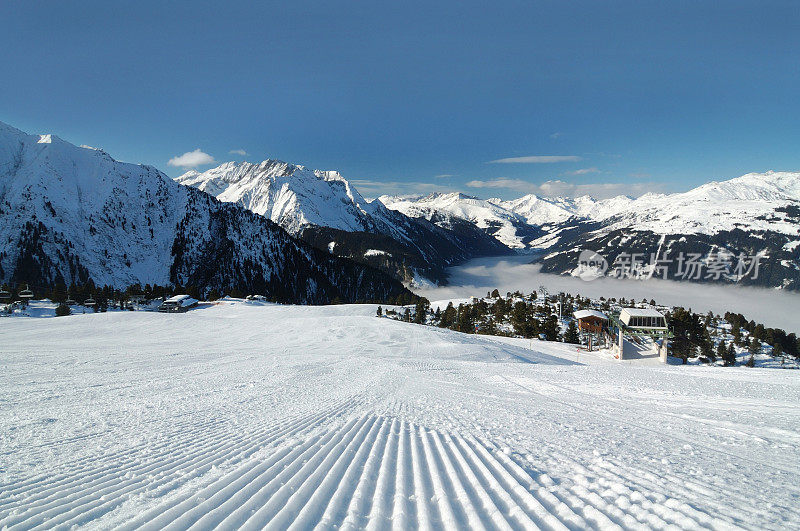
551,210
70,214
748,202
508,227
323,208
757,213
293,196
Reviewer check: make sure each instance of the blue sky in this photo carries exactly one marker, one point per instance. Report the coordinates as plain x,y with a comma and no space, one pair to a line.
600,97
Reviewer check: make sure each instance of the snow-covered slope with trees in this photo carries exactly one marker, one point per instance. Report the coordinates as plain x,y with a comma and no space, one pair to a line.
70,214
279,417
323,208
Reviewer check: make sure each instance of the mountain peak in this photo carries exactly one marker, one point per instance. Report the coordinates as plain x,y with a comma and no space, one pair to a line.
289,194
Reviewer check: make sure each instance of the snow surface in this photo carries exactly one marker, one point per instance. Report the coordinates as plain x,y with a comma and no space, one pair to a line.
253,415
376,252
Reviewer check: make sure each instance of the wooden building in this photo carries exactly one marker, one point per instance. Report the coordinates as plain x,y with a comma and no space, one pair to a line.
591,321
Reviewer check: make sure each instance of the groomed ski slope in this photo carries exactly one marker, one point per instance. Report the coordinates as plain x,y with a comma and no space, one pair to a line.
259,416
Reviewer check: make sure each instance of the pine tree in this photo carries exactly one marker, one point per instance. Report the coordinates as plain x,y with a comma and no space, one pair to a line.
722,352
448,316
421,310
571,335
730,358
550,328
754,347
737,334
466,321
777,351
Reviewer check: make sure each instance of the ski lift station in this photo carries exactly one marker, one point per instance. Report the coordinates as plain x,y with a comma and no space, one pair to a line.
646,329
643,319
177,304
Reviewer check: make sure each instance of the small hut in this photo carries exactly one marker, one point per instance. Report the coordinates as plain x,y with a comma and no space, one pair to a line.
591,321
177,304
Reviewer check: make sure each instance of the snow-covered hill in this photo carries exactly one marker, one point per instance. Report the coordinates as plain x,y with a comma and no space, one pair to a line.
281,417
70,214
323,208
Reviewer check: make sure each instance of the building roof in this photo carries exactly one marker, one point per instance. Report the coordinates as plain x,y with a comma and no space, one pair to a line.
583,314
177,298
642,312
181,300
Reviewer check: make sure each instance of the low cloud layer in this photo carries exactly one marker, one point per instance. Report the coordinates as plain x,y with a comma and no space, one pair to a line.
537,159
476,277
562,188
191,159
584,171
372,189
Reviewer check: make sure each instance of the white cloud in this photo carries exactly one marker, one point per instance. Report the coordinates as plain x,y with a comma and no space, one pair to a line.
561,188
509,184
191,159
537,159
443,176
583,171
372,189
241,152
556,135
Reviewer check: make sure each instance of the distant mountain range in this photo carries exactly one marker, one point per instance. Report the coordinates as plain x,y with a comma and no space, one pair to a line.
756,214
72,214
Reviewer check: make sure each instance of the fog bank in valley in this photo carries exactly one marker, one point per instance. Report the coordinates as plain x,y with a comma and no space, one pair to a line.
773,308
